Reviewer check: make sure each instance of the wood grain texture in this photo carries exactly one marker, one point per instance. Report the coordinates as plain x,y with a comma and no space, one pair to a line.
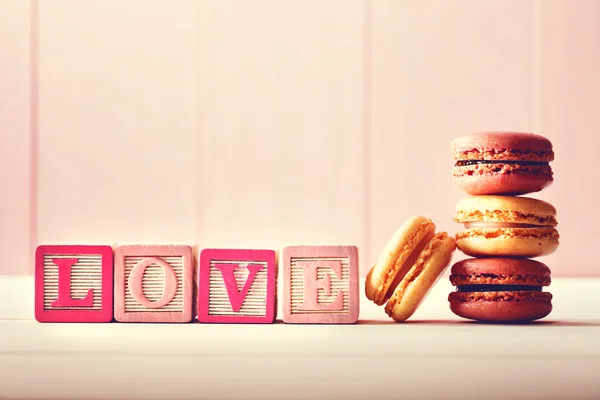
280,89
439,70
15,140
117,121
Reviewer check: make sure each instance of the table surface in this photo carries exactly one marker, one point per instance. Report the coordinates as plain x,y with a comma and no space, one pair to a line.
433,356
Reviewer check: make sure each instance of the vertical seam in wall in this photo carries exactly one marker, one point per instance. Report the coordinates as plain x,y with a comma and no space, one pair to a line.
199,159
536,78
33,130
367,119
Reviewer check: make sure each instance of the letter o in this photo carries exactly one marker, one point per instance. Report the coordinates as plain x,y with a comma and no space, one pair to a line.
135,283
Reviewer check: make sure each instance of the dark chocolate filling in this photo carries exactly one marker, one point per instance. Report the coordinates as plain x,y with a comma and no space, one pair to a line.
498,288
463,163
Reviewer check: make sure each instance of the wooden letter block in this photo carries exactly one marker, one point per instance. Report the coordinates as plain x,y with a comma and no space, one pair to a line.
154,283
73,283
237,286
320,285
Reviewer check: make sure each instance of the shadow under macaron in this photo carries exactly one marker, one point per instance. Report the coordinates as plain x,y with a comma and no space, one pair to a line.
558,323
592,324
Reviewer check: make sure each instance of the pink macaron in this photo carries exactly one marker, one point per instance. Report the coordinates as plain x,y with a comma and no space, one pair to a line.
502,163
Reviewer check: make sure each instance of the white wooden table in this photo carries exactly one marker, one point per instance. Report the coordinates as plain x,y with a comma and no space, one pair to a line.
436,356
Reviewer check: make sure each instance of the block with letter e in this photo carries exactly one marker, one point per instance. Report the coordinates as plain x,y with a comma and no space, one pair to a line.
320,285
237,286
154,283
74,283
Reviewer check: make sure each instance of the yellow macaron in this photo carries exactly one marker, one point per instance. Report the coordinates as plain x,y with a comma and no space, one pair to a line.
408,267
510,226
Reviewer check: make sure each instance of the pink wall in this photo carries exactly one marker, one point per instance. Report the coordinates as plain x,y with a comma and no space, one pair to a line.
266,123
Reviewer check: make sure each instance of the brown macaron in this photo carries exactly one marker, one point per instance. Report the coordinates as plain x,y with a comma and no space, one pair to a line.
500,289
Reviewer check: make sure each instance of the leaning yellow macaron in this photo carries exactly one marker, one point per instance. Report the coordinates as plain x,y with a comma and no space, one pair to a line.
506,226
408,267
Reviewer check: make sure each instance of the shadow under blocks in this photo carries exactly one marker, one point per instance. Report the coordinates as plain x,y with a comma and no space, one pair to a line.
169,284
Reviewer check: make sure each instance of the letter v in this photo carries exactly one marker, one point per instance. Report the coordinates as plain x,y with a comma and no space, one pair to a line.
236,298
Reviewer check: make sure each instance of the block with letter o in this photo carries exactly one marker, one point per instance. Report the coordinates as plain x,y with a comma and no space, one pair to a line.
154,283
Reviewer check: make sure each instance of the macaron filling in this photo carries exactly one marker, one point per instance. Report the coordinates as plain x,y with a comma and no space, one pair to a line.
408,264
464,163
498,288
500,225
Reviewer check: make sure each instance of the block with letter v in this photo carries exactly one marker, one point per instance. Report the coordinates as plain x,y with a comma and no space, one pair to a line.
237,286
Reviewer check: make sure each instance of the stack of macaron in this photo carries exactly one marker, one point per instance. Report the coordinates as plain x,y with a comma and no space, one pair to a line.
503,229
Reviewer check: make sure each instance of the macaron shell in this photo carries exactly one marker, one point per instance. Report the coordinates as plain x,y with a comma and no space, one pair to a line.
423,275
494,203
515,295
508,242
500,267
502,140
502,311
501,184
398,249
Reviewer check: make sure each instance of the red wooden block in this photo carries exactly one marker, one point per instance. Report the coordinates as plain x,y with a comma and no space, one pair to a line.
320,284
237,286
154,283
73,283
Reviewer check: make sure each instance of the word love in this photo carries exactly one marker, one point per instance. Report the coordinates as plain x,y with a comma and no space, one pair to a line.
168,283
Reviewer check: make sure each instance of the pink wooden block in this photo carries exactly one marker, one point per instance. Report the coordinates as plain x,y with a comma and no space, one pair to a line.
320,285
154,283
73,283
237,286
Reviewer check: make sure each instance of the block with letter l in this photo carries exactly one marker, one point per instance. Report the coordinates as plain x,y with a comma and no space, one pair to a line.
237,286
320,284
74,283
